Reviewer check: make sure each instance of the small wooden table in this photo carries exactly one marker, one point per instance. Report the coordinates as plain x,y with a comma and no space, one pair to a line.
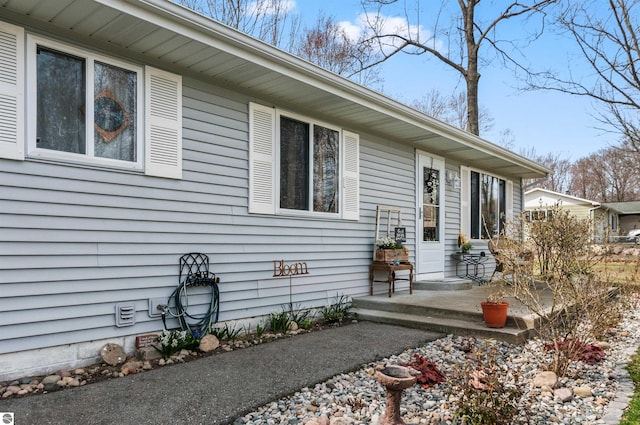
391,275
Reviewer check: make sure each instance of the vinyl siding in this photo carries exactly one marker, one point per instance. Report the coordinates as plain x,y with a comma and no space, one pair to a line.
76,240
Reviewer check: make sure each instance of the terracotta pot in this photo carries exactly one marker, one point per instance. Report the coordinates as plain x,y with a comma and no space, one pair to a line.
495,314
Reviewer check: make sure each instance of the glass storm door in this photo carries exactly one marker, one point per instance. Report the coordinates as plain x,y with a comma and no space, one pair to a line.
430,235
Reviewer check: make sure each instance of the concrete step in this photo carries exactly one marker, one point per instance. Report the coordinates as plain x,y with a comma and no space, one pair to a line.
414,306
443,285
469,326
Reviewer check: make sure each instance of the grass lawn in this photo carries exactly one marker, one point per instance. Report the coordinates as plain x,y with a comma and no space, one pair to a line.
632,414
626,271
620,270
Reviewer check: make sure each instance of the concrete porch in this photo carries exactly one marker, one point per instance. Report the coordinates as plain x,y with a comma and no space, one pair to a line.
450,307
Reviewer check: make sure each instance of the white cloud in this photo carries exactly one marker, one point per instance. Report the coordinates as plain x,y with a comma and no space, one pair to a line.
270,7
390,25
352,31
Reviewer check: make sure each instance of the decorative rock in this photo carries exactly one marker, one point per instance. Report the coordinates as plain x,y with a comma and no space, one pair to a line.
547,378
340,420
209,343
51,379
79,372
131,366
584,391
113,354
13,389
293,326
564,394
323,419
50,383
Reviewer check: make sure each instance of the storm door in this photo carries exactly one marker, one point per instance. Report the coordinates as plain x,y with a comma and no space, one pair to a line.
430,213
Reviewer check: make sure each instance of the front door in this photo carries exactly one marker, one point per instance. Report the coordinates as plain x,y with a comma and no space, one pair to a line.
430,213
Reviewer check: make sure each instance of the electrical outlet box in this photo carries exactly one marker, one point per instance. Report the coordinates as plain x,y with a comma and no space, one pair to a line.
154,304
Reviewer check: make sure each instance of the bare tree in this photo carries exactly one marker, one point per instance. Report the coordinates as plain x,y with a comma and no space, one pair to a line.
268,20
328,45
560,176
465,35
609,175
606,33
451,109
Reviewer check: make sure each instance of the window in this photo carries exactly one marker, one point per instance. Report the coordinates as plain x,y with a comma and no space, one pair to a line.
299,155
86,107
538,215
91,109
486,203
299,166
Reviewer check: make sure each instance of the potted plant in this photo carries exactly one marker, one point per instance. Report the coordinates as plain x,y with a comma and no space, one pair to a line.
464,244
389,250
495,308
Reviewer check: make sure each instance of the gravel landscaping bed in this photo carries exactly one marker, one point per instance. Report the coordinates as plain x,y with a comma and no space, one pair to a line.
588,394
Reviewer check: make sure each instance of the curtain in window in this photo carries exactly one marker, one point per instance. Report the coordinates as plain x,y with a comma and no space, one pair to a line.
114,110
294,164
489,196
326,144
61,102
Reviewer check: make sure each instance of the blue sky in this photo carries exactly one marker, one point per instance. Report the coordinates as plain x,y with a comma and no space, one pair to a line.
550,122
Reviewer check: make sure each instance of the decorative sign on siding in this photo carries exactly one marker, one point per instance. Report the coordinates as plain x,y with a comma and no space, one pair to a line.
400,234
282,269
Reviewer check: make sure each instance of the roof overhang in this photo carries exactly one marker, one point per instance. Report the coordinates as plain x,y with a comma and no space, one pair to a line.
560,196
163,34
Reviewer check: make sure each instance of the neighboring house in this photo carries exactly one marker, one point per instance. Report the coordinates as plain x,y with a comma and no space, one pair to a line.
604,217
628,214
136,131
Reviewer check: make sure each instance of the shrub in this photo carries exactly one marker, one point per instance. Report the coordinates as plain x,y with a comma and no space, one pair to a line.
336,312
429,373
171,342
575,350
580,307
279,322
478,393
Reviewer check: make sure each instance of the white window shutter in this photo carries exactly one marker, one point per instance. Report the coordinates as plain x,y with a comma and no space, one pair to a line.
509,200
262,159
465,201
351,176
11,92
163,124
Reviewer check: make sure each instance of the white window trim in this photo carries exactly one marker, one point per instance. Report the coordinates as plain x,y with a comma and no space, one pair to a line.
33,41
264,166
465,197
307,213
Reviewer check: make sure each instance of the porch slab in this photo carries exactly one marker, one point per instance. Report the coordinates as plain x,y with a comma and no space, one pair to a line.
448,311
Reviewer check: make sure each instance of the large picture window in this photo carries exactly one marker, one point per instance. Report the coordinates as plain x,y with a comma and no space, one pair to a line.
489,202
86,106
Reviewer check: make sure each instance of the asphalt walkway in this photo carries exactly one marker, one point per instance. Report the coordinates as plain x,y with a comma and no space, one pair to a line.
220,388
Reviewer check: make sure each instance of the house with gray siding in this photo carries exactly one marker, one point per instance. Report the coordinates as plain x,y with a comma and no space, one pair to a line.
135,131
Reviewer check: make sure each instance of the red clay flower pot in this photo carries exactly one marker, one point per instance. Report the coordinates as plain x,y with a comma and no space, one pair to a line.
495,314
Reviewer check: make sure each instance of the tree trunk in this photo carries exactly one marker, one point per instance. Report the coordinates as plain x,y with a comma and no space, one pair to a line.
471,76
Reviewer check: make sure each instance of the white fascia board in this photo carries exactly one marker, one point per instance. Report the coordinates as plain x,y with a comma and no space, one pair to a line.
200,28
553,194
